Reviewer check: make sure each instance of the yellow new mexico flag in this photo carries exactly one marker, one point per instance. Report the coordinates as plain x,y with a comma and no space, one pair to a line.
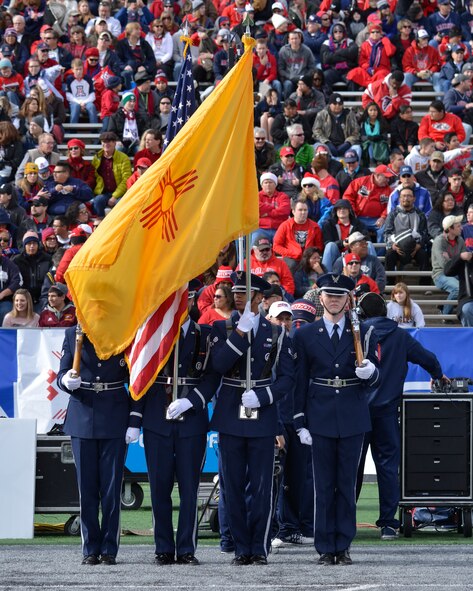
169,227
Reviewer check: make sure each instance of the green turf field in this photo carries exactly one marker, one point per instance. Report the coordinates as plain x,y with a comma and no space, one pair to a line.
139,521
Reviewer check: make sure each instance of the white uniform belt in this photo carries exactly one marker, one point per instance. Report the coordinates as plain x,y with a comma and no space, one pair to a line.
336,382
169,381
99,386
242,383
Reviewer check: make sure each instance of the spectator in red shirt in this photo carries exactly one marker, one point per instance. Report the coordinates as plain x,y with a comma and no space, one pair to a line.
437,123
263,260
80,168
374,58
110,99
296,234
328,184
140,168
369,197
274,206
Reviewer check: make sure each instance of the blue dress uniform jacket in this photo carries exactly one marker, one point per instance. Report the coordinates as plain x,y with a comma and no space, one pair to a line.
331,402
95,414
191,363
397,348
226,353
176,448
98,415
246,446
323,409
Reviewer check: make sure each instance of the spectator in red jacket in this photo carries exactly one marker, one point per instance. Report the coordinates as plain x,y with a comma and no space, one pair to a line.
274,206
352,268
141,167
80,168
263,260
110,99
296,234
264,64
59,312
368,196
389,94
223,279
421,61
438,123
374,58
77,237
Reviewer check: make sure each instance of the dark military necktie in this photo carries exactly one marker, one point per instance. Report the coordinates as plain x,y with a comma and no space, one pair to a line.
335,337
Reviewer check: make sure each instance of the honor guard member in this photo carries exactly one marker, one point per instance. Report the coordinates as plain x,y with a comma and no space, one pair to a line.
97,418
397,348
247,420
175,440
296,498
331,413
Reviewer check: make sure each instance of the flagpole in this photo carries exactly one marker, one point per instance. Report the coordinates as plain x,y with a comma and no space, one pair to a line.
248,411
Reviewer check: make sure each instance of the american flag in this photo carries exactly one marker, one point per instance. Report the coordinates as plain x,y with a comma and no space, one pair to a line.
183,104
155,339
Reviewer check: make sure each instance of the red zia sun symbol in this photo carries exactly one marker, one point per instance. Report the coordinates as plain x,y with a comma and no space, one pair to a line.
163,206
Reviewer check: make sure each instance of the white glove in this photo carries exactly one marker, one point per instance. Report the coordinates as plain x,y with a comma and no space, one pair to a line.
366,370
305,436
132,434
71,381
250,400
178,407
247,319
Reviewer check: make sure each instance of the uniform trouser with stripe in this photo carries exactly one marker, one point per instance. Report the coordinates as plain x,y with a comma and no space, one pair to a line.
248,464
99,466
335,464
182,458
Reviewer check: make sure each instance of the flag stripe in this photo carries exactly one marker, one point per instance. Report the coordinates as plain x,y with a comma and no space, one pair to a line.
148,354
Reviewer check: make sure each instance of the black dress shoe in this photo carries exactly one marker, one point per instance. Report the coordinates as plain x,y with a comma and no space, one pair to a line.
108,559
187,559
326,559
258,559
164,558
241,560
91,559
343,558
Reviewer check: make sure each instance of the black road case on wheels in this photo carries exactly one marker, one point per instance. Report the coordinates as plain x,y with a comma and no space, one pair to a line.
436,455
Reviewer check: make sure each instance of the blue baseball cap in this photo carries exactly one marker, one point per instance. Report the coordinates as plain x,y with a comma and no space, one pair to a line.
406,170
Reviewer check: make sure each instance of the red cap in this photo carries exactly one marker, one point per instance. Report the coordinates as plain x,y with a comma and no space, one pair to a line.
374,26
383,169
285,150
76,143
46,233
224,273
78,232
143,162
45,28
350,257
92,52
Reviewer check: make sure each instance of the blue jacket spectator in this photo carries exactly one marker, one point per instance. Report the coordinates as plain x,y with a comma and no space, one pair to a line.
64,190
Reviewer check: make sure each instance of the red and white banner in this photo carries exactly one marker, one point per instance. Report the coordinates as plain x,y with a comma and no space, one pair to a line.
37,394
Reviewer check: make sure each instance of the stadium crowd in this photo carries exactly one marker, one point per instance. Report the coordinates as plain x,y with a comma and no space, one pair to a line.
326,172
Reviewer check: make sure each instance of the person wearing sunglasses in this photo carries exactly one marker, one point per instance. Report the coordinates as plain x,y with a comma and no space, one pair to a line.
80,168
141,167
160,41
